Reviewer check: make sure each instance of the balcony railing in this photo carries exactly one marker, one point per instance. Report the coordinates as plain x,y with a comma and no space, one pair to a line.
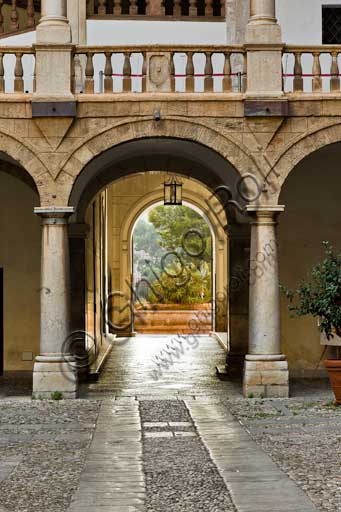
188,69
18,15
17,65
312,69
157,9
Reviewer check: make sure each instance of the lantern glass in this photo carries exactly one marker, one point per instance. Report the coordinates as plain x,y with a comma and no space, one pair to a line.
173,193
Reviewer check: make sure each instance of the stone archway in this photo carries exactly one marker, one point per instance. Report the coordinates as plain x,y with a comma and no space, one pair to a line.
194,195
186,156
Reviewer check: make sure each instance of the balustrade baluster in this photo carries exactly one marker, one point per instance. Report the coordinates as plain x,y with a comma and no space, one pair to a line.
162,8
172,71
222,8
14,16
335,74
127,73
2,28
208,7
102,7
208,80
317,80
148,7
117,7
18,74
193,10
298,79
177,8
144,73
89,74
190,80
227,79
34,85
2,73
108,80
31,22
133,8
244,73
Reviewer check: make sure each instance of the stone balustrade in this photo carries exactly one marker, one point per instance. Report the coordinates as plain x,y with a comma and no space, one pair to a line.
18,15
312,69
179,69
17,65
200,9
162,69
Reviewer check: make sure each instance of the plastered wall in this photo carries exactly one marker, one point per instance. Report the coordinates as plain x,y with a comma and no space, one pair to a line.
20,258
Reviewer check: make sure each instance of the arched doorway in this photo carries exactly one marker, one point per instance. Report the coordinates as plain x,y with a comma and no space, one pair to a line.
173,271
152,157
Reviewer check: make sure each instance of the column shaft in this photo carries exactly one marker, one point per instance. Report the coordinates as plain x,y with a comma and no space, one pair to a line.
263,10
264,327
53,8
53,369
266,369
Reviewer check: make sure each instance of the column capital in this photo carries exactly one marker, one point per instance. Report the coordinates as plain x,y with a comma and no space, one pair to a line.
265,212
54,215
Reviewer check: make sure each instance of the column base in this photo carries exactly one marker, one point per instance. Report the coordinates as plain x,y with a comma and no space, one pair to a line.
266,377
52,376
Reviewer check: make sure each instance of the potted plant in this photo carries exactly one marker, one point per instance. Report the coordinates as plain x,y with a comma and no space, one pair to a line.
320,296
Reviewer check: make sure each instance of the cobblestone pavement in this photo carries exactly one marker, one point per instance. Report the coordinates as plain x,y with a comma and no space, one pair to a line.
42,452
180,475
164,445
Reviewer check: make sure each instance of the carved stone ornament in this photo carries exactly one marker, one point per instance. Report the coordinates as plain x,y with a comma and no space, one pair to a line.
158,69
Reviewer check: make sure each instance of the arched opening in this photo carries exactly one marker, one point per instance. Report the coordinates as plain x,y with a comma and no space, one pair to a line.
173,269
109,196
19,274
311,195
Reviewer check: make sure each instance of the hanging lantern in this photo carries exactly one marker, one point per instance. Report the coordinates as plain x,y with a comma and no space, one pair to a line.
173,192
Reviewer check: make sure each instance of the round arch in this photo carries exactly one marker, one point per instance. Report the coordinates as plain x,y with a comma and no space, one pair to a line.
197,200
200,153
295,154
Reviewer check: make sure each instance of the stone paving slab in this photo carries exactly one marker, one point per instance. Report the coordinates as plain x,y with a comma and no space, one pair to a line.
112,479
235,453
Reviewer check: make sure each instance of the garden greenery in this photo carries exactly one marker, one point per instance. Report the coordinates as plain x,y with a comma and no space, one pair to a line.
320,295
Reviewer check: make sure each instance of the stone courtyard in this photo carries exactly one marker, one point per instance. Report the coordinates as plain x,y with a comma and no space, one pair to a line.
188,442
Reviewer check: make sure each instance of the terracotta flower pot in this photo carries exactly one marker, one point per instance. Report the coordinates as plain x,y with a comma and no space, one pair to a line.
334,371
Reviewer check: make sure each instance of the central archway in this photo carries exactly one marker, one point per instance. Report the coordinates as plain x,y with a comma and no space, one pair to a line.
147,156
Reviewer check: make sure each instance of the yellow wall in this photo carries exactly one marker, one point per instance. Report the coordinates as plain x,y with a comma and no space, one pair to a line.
20,258
313,214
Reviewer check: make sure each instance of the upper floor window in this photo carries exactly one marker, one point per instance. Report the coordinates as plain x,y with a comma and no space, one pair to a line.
331,25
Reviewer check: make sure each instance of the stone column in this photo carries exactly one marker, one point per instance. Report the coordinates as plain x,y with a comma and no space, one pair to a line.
53,369
53,62
264,44
53,26
266,369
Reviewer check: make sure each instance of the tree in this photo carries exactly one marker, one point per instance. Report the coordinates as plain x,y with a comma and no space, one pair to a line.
183,230
320,296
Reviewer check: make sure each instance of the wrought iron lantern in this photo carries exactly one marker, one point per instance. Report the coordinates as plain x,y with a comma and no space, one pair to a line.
173,192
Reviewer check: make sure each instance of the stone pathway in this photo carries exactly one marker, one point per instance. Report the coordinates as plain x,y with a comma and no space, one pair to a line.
185,442
150,366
